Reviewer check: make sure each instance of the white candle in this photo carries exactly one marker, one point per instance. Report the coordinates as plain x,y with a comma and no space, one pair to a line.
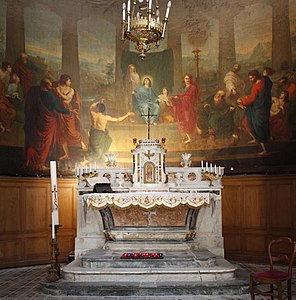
207,166
211,168
123,11
219,171
95,165
168,9
215,169
90,167
54,191
150,4
52,226
128,6
202,165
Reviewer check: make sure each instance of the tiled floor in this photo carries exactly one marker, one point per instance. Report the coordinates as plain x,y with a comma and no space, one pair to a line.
24,283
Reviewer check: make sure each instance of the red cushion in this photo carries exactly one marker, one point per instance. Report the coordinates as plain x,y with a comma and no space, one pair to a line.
271,274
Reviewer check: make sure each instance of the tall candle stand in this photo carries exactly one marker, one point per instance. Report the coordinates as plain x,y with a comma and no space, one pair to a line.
54,271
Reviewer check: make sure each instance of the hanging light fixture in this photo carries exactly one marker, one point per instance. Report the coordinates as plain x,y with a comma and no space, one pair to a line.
141,24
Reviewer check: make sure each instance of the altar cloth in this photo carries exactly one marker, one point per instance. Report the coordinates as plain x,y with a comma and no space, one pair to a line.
146,200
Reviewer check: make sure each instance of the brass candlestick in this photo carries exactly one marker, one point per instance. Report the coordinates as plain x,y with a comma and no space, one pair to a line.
54,271
211,176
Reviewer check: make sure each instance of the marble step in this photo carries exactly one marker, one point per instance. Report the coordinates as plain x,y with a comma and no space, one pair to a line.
99,258
154,246
222,270
160,289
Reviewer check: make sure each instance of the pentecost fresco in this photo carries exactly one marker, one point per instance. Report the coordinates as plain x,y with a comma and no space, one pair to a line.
221,85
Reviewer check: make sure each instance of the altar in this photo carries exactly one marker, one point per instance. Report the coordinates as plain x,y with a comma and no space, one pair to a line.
148,228
149,203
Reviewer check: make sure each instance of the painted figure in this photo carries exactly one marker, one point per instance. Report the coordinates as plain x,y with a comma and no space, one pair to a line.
258,104
70,129
185,109
99,138
146,98
166,108
15,92
279,126
218,115
41,124
7,110
23,70
132,83
5,72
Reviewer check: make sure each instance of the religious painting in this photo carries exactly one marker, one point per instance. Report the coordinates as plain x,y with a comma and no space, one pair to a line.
149,172
195,89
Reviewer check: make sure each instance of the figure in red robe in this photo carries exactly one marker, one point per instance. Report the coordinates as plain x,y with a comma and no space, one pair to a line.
184,106
24,72
7,110
41,123
70,127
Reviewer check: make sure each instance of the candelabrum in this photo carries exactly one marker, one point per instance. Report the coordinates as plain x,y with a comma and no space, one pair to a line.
211,176
54,271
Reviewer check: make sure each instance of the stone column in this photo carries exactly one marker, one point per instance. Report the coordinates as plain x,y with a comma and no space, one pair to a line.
281,38
15,30
174,42
226,45
70,59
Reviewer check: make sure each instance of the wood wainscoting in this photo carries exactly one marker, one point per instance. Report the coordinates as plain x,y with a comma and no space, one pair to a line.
25,219
255,210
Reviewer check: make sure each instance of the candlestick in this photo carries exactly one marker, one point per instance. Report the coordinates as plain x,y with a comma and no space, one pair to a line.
52,226
54,191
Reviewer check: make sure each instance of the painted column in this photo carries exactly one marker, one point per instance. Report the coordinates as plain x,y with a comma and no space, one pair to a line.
70,58
174,42
281,38
15,30
226,45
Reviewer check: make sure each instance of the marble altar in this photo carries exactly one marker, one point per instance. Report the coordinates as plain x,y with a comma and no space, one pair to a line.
150,203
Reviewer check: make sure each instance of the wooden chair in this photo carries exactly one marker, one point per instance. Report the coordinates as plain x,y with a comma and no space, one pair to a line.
282,250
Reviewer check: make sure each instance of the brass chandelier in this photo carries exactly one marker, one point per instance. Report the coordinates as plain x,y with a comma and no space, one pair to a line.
141,24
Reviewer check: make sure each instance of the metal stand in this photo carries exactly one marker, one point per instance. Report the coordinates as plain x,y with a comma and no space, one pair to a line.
54,273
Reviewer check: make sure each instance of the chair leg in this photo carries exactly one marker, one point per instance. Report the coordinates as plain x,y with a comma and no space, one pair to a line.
271,289
289,289
252,289
280,291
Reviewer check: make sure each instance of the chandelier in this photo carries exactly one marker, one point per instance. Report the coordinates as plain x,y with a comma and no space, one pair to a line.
141,24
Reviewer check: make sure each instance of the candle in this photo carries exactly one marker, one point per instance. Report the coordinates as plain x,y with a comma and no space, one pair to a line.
207,166
219,171
215,169
54,191
211,168
123,12
202,165
150,4
52,226
128,6
168,10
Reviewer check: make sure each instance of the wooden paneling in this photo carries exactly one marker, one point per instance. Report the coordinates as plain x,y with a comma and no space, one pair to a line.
25,219
256,209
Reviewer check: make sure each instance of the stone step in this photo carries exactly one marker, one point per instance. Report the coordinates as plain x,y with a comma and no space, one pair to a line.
222,270
151,246
99,258
147,290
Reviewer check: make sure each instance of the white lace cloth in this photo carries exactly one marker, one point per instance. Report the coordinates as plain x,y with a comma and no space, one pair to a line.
146,200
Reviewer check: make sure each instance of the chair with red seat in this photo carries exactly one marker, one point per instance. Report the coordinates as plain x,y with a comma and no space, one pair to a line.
283,251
